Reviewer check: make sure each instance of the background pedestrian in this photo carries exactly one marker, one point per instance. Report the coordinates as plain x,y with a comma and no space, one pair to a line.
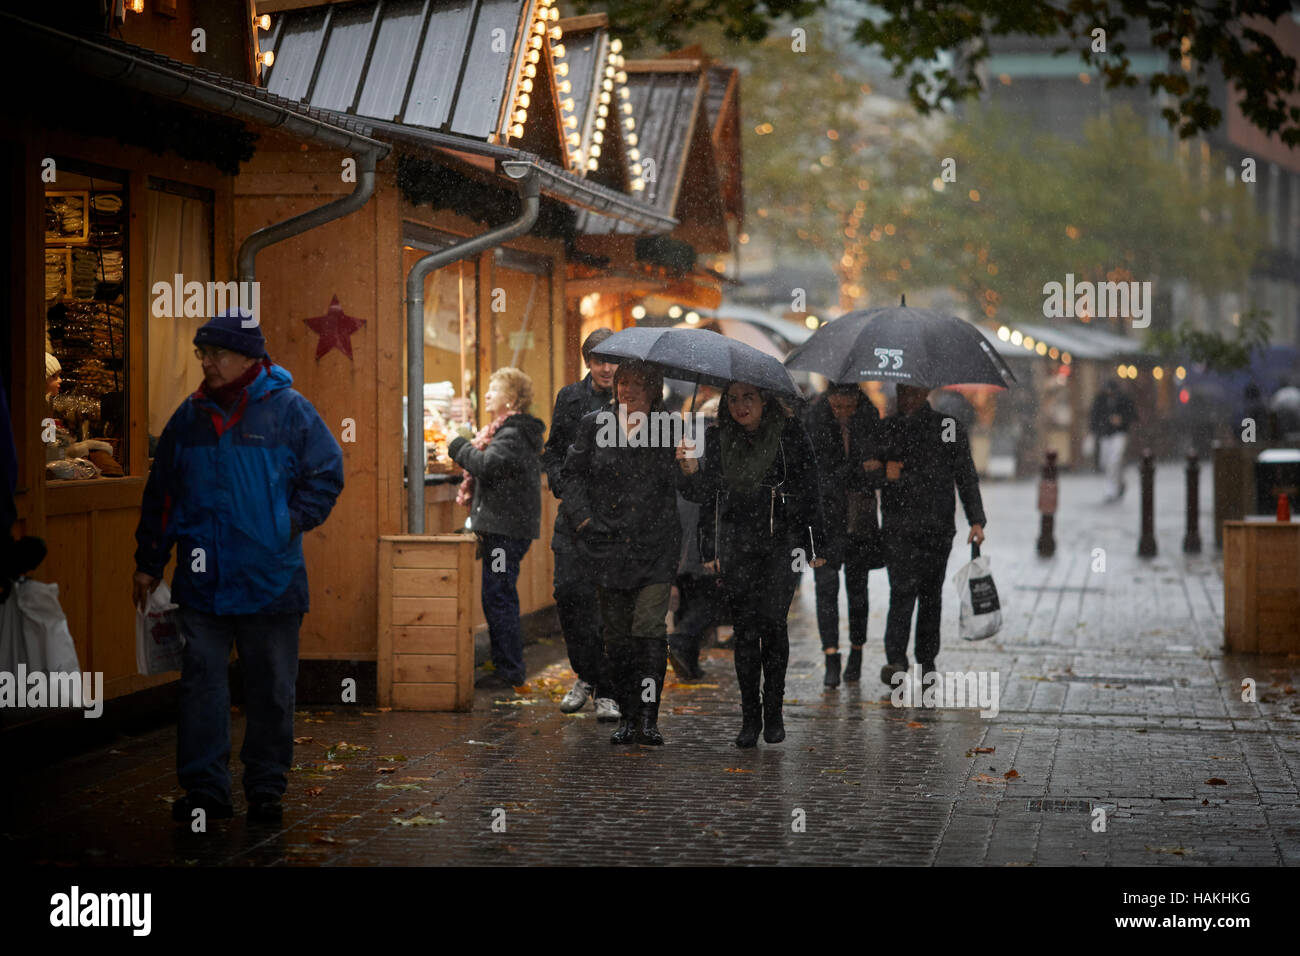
1111,417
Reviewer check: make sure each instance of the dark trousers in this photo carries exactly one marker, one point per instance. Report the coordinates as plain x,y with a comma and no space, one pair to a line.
915,580
636,644
759,587
268,664
855,558
501,557
578,606
699,607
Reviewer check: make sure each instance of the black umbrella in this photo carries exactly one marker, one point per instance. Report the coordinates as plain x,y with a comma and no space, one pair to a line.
700,356
899,344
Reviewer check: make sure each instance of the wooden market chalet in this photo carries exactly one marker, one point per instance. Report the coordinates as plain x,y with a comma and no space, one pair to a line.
485,180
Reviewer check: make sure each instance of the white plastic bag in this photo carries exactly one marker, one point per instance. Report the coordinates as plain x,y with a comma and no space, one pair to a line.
981,613
47,643
158,641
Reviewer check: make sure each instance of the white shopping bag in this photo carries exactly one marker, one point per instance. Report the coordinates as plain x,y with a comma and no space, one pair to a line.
158,641
981,613
47,643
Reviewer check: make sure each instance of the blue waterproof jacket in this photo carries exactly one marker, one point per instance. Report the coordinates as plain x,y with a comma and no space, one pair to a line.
242,487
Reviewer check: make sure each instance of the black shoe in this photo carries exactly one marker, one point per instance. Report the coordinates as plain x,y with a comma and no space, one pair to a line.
183,809
889,670
773,725
648,732
853,666
749,729
626,732
832,670
493,681
265,808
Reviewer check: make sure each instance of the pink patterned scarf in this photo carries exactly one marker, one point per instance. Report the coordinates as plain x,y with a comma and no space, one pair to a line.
465,494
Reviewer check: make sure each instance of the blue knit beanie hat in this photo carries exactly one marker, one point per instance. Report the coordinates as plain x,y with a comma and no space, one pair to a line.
227,331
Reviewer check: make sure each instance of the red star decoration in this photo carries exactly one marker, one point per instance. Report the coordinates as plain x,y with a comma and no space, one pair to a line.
334,329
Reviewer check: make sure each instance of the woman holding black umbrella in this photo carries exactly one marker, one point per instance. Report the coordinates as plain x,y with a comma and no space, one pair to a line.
621,488
760,524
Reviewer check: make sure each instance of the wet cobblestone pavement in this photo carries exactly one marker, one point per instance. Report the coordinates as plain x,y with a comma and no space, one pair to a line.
1115,697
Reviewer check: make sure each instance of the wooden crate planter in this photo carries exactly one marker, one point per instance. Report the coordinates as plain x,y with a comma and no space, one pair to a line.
1261,587
426,613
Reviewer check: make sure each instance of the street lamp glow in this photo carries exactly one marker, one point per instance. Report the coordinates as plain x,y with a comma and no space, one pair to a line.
675,311
638,312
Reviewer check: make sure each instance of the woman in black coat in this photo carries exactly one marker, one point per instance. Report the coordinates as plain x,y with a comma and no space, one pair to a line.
621,488
848,436
760,524
503,491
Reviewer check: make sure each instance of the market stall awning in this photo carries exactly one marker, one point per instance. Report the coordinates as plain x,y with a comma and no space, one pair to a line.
1079,341
600,122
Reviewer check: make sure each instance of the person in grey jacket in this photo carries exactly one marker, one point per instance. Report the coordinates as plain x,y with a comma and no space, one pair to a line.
503,489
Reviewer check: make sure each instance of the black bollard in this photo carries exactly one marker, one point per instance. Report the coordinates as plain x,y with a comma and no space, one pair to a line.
1192,540
1047,493
1147,544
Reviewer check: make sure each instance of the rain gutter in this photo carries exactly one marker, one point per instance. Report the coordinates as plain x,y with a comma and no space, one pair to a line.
526,174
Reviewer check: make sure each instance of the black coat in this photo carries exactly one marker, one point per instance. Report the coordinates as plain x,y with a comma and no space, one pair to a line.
1106,404
630,495
507,478
784,513
571,404
918,508
848,490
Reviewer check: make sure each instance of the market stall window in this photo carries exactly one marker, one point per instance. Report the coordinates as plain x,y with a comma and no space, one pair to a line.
84,429
179,241
450,344
521,321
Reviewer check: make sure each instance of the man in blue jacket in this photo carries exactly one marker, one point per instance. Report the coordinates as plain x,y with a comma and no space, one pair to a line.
244,467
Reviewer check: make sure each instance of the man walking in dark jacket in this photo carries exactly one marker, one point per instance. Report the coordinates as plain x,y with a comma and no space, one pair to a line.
575,587
928,454
244,467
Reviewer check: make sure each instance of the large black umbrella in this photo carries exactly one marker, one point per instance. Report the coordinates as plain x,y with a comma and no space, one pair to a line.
700,356
904,345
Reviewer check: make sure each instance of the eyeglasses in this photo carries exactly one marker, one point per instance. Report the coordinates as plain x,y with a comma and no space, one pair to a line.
215,354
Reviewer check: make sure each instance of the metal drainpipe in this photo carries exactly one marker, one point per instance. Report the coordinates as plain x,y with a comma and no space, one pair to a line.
279,231
529,192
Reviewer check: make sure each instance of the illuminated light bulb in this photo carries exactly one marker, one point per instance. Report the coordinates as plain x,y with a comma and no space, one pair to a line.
526,85
593,165
607,86
574,140
631,138
602,110
629,123
571,121
530,71
674,311
517,130
636,169
564,86
558,50
267,58
525,100
638,312
521,116
568,104
553,13
609,72
693,318
616,45
561,69
600,122
621,75
638,184
619,61
598,137
627,108
623,92
595,150
534,56
136,6
535,42
605,97
263,22
539,26
555,32
634,155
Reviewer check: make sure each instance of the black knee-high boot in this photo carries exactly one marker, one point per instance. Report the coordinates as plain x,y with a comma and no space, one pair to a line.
653,668
622,677
776,657
749,669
